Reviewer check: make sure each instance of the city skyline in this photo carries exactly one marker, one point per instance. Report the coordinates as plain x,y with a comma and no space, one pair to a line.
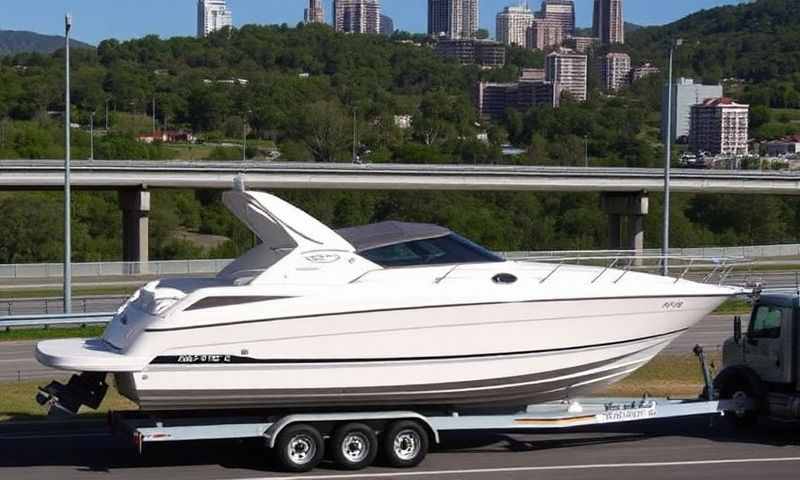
96,20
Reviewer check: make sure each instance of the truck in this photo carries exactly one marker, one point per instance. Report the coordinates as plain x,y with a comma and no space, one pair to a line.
762,364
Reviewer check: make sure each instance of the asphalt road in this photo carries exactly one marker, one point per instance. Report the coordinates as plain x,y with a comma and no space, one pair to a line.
17,360
689,448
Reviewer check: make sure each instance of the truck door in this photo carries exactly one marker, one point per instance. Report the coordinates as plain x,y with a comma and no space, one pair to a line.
768,349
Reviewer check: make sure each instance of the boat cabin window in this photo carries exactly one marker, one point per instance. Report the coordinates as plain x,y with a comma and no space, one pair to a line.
449,249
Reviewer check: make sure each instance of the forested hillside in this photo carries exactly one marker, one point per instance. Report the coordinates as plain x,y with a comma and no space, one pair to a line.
300,89
13,42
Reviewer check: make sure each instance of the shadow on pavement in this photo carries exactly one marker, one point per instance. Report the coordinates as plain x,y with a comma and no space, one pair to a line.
90,447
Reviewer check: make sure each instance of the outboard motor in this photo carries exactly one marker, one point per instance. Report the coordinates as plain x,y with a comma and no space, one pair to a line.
88,388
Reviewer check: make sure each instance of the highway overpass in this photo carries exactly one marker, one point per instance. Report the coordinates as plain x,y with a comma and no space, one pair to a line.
624,190
116,175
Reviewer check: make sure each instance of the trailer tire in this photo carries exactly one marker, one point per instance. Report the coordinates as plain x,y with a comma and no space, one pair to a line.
299,448
734,383
354,446
405,444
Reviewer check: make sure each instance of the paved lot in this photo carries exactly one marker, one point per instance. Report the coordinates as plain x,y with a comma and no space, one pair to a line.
693,448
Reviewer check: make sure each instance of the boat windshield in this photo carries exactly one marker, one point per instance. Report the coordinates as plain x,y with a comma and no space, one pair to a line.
450,249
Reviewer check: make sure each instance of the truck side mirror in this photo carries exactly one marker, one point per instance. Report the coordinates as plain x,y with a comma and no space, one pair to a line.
737,329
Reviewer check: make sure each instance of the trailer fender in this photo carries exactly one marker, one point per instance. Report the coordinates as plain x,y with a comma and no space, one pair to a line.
275,429
743,377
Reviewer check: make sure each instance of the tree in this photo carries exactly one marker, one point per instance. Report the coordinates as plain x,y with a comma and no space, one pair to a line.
482,34
326,131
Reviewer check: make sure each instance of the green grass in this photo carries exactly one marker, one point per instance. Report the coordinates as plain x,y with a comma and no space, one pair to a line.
792,113
57,292
18,402
50,333
666,375
733,306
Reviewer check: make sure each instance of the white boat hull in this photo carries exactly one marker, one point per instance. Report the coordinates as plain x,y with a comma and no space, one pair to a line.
508,354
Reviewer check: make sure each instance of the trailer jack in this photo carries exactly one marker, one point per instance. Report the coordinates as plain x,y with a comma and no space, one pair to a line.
88,388
709,393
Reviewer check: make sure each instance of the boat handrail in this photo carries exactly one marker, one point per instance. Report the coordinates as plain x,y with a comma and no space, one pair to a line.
709,269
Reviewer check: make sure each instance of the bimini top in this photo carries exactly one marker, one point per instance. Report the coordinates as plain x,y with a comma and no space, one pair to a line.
383,234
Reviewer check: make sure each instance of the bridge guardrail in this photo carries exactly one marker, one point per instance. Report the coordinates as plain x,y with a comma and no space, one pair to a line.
55,320
192,267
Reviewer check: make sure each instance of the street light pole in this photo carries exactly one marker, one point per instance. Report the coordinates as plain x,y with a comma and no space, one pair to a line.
67,186
91,136
668,160
244,138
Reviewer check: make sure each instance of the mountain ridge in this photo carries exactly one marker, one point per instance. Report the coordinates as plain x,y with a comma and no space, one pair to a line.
22,41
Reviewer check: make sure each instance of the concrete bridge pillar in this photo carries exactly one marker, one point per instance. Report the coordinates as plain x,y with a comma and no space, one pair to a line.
135,205
626,212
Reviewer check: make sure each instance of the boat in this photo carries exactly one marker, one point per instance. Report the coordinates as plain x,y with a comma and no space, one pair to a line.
389,315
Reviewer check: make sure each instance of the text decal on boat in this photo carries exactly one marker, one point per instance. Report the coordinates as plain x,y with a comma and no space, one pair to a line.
205,359
626,415
672,305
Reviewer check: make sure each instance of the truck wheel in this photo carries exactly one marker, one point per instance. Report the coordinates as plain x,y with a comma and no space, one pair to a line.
354,446
735,387
405,444
299,448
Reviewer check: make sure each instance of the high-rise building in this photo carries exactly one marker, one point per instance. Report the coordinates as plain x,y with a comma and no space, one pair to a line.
315,13
454,19
685,93
642,71
493,99
719,126
357,16
581,44
470,18
609,21
561,12
212,15
512,25
387,25
615,70
544,33
570,71
482,52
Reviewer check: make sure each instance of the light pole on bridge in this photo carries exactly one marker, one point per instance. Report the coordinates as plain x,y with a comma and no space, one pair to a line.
67,186
668,159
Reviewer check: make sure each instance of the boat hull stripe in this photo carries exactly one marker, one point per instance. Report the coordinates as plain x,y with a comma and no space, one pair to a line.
431,307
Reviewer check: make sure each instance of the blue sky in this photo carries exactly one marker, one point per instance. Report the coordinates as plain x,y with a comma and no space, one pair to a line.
96,20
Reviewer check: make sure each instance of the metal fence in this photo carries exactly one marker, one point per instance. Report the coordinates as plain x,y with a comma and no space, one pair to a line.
55,305
199,267
113,269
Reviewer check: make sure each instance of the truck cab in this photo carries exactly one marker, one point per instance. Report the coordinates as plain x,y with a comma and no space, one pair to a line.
763,363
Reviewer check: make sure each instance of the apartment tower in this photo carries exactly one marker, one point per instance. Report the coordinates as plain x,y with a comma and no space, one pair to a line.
561,13
719,126
570,71
357,16
513,24
212,15
315,13
609,21
454,19
615,71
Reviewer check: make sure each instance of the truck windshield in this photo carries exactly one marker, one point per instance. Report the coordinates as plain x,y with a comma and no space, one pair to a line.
767,321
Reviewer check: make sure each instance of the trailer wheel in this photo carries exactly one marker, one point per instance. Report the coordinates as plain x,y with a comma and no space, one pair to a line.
354,446
299,448
405,444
